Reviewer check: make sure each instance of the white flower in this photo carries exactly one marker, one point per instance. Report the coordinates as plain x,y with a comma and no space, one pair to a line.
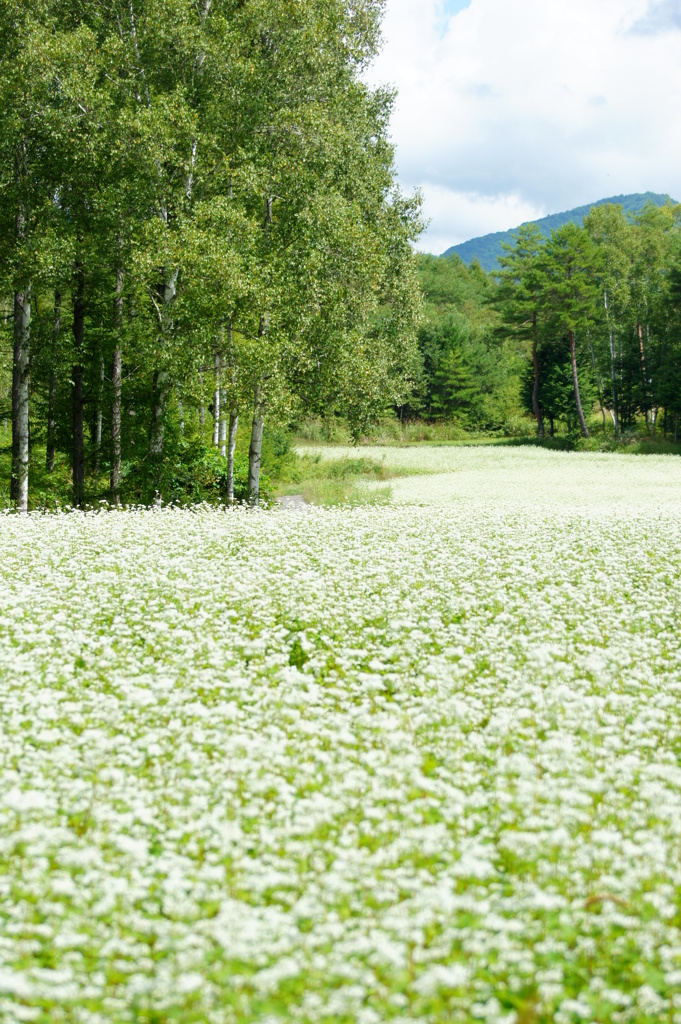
441,976
479,758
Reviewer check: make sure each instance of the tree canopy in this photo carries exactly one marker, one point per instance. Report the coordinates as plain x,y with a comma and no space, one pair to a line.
200,213
601,303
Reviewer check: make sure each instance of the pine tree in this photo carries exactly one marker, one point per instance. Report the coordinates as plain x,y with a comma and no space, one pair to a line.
569,293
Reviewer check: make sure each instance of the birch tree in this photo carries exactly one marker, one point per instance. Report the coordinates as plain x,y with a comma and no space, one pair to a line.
613,238
200,179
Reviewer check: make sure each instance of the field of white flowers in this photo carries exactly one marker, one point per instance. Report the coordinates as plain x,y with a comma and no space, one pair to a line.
410,763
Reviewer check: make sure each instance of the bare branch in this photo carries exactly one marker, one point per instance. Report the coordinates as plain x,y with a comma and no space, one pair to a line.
190,179
137,55
156,307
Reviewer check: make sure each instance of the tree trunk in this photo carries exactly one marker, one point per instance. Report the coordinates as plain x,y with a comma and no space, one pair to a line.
647,405
52,391
161,388
676,428
651,390
116,388
613,372
20,381
98,421
602,412
613,375
160,398
18,487
77,393
536,408
231,448
600,381
216,402
202,409
160,391
255,450
575,381
223,424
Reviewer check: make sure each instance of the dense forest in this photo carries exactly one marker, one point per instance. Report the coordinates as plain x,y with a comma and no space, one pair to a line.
201,226
580,330
468,372
598,308
204,247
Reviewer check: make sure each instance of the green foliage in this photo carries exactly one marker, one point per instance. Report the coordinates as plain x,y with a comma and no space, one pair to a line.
468,371
195,472
607,292
217,182
556,389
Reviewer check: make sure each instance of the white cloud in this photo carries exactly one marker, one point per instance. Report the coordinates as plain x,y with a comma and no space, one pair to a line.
457,216
531,105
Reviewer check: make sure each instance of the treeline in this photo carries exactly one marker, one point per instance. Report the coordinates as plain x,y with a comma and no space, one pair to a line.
467,372
598,308
579,327
200,224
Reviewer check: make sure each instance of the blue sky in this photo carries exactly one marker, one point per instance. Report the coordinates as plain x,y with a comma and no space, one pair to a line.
447,10
511,109
661,16
454,6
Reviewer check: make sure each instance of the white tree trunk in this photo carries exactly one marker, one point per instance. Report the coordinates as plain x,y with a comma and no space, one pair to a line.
52,391
161,385
202,408
255,450
20,381
77,396
161,390
216,402
613,373
116,387
98,424
231,448
575,382
223,424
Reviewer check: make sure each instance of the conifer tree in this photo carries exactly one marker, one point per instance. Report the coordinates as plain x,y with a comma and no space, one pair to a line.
569,292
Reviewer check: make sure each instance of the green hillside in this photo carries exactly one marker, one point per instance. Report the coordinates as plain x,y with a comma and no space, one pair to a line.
489,247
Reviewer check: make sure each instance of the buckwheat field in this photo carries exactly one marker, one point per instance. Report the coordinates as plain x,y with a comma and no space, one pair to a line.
415,762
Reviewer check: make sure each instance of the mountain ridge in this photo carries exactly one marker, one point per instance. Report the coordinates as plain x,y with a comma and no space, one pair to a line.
487,248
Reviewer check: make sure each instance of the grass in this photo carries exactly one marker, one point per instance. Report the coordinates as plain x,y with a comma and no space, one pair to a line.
348,480
520,431
632,443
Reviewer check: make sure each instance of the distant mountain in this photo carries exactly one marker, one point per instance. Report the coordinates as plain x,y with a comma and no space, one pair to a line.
488,247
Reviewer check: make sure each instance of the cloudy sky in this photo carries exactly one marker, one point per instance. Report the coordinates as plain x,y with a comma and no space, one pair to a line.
512,109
